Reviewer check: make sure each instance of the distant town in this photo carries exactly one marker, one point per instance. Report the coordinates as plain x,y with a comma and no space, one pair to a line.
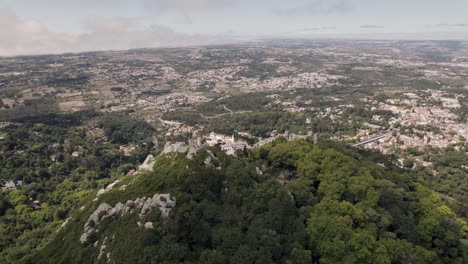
387,96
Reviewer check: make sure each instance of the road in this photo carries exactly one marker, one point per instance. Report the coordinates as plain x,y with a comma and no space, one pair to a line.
369,140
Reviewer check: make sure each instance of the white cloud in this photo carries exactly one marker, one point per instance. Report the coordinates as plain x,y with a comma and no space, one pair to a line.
21,37
459,25
188,5
110,24
319,7
372,26
148,5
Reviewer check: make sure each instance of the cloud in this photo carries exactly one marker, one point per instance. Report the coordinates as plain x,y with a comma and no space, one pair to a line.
112,24
187,19
452,25
24,37
187,5
372,26
319,7
311,31
319,28
20,36
152,36
117,33
146,5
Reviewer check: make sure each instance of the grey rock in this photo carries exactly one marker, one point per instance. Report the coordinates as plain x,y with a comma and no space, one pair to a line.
163,202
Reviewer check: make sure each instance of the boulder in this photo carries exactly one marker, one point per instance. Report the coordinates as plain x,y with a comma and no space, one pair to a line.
163,202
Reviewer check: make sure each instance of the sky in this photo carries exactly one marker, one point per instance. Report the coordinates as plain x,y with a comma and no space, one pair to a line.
58,26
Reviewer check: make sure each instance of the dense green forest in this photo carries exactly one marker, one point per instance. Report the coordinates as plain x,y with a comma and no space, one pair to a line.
287,202
451,179
59,165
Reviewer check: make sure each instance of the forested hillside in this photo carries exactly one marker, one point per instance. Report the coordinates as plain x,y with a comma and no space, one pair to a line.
287,202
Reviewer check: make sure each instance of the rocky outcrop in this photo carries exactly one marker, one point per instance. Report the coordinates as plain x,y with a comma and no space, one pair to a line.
148,164
210,160
64,224
161,201
143,205
259,172
108,188
93,221
102,250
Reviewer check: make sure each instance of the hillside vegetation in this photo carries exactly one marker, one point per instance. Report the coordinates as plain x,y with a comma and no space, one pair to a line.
287,202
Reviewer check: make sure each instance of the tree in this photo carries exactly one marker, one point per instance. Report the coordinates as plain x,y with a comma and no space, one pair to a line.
408,163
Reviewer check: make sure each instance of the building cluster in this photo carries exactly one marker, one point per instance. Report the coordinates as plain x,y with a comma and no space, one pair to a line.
430,118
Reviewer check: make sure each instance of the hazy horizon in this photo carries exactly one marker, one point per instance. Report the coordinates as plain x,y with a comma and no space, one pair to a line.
52,26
